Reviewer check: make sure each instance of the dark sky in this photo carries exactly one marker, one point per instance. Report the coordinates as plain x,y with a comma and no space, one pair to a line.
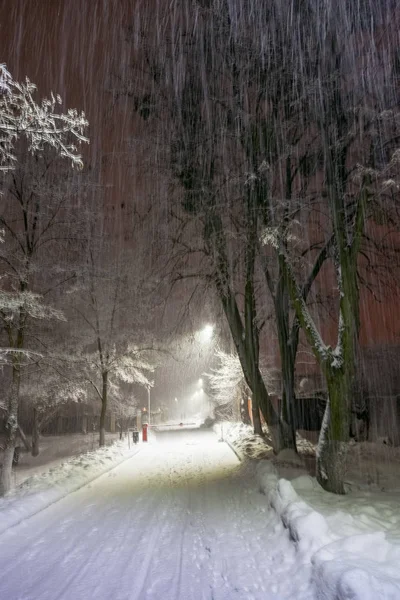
75,48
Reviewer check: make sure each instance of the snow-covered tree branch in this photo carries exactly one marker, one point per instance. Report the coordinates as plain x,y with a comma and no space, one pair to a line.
40,124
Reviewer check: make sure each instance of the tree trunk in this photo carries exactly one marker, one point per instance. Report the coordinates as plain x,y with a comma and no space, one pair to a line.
338,367
11,426
334,435
35,433
251,371
287,412
6,470
255,411
24,439
287,429
244,406
340,379
288,358
103,409
244,344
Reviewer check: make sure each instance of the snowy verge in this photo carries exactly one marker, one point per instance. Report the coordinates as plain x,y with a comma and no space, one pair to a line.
40,491
242,440
344,567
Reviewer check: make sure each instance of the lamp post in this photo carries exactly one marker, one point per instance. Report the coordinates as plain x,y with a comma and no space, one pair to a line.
148,403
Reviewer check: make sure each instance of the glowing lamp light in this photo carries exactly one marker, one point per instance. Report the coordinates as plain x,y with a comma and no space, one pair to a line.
206,334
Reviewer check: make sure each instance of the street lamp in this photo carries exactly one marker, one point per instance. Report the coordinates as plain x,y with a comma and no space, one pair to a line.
206,334
148,403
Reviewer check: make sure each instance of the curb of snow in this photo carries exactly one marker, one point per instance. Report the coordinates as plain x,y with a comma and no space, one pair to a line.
357,567
232,447
39,492
241,439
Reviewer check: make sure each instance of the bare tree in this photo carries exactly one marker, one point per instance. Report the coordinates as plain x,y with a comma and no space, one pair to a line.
109,320
189,89
46,390
343,115
37,217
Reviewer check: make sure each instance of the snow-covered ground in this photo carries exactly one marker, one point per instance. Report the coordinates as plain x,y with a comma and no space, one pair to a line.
350,554
182,519
242,439
185,519
55,449
351,541
62,477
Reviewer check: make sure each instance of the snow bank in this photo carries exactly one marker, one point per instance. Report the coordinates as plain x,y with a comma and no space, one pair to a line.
243,440
39,491
344,567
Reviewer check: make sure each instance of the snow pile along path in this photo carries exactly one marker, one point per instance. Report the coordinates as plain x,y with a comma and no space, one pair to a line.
39,491
345,565
242,440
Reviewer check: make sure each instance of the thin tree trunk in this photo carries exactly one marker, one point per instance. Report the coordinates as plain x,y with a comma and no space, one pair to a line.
6,470
255,412
11,423
251,370
288,358
35,433
24,439
260,397
244,406
11,430
103,409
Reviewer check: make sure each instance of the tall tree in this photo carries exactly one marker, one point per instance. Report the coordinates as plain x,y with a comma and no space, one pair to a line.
187,82
349,121
28,220
106,307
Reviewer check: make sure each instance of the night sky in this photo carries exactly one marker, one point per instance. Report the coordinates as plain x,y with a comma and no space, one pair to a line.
79,49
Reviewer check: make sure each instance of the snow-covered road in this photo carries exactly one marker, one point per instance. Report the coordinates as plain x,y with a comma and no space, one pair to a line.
182,519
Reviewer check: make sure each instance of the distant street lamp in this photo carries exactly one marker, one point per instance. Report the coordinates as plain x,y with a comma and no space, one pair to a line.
148,403
206,334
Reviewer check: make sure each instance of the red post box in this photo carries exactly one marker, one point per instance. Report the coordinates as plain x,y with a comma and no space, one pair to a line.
144,432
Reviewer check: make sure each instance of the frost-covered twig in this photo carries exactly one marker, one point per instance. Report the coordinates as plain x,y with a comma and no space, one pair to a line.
40,124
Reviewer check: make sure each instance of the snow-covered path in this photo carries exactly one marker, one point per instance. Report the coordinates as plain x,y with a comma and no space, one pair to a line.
180,520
